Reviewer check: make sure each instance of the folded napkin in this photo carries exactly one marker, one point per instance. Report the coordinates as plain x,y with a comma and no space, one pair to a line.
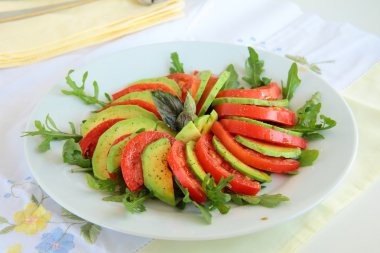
41,37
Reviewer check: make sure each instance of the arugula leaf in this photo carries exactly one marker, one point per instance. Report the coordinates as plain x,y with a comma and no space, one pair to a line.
232,82
308,118
50,132
107,185
312,136
133,201
214,193
254,67
188,113
168,106
307,157
72,154
205,212
292,83
78,91
114,198
177,65
265,200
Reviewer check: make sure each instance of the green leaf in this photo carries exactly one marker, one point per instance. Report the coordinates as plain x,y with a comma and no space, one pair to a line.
7,229
78,91
34,200
67,214
133,201
232,82
293,173
312,136
108,185
45,144
215,194
265,200
292,83
300,59
254,67
184,118
315,68
114,198
177,65
3,220
90,232
168,106
307,157
189,106
72,154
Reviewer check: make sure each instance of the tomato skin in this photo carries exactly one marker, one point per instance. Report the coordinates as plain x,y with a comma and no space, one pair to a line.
142,87
178,164
214,164
186,82
265,113
210,84
131,165
251,157
143,104
262,133
269,92
89,141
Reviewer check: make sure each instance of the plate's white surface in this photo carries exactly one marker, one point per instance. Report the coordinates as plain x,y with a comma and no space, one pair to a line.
305,190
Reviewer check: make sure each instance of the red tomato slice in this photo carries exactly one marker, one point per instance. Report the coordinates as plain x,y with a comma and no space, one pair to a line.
178,164
269,92
131,165
89,141
262,133
279,115
251,157
143,104
186,82
210,84
214,164
142,87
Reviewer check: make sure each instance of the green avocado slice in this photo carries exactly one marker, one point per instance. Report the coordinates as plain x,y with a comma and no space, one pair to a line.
188,133
121,128
201,121
116,112
157,176
250,101
214,91
192,161
238,165
162,127
213,117
114,154
260,123
162,80
269,149
145,95
204,76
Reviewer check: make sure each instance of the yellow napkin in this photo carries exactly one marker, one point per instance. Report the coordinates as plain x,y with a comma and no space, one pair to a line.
41,37
363,98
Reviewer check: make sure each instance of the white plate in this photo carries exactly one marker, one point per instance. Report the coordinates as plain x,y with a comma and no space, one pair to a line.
305,190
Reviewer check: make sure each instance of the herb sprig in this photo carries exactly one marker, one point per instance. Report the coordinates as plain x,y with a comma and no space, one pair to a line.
265,200
177,65
254,67
292,83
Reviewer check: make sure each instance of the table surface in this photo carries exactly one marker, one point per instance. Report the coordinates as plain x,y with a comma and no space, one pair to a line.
355,229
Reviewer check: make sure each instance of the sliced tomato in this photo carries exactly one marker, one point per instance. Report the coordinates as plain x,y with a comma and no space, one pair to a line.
251,157
142,87
131,165
143,104
214,164
262,133
210,84
269,92
89,141
279,115
186,82
178,164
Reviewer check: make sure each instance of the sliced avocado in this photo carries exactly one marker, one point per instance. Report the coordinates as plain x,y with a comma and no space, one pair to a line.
214,91
145,95
192,161
210,122
250,101
114,154
269,149
201,121
157,176
121,128
259,123
162,127
238,165
204,76
188,133
116,112
162,80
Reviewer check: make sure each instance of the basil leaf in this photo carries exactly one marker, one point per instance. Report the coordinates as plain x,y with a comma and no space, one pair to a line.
189,106
232,82
72,154
177,65
169,107
308,157
292,83
182,119
265,200
254,67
